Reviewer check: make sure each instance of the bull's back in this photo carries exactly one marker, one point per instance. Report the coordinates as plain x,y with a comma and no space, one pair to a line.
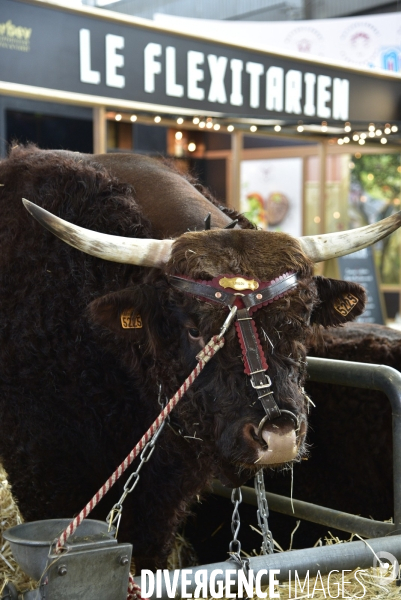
361,342
167,199
61,389
45,285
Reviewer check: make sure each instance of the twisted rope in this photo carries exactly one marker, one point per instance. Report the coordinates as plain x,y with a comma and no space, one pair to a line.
134,591
210,349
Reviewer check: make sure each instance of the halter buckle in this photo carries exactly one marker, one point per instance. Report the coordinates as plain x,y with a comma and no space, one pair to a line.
262,386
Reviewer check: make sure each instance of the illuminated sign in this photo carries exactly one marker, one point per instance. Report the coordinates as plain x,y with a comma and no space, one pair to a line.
83,53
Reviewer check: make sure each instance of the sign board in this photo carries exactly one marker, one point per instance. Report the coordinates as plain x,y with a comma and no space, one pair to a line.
369,41
84,52
360,268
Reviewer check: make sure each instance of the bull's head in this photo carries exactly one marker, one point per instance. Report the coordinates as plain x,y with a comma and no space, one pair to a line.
204,274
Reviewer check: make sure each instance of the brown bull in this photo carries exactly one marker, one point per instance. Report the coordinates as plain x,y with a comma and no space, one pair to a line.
86,343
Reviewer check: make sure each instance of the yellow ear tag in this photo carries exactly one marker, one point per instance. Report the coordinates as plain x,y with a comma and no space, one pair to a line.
130,320
345,304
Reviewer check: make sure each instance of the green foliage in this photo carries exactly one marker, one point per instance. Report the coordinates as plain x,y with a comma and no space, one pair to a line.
379,175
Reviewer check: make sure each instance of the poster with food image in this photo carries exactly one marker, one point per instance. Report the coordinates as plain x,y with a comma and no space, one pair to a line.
271,193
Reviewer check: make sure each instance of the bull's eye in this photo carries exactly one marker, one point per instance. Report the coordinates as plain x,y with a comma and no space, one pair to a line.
194,333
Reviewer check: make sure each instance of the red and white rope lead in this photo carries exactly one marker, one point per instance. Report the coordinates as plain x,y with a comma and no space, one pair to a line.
134,591
203,357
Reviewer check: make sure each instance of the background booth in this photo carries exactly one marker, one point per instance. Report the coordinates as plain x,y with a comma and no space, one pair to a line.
303,146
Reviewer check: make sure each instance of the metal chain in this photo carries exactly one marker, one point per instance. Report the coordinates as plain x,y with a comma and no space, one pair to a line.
263,514
114,516
235,544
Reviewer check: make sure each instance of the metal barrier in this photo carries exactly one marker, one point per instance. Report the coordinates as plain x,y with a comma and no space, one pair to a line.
349,555
376,377
339,557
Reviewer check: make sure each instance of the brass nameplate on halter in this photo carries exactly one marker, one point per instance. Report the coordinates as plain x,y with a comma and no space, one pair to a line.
239,283
130,320
345,304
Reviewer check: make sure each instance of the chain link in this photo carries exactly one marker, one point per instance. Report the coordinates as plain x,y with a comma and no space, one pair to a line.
114,516
263,514
235,544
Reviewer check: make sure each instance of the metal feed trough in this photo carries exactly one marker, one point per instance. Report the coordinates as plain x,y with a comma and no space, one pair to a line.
96,567
93,567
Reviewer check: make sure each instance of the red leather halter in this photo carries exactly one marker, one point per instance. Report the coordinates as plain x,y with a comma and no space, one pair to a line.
247,302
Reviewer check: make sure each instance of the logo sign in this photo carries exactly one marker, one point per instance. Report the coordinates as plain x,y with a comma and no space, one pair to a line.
15,37
78,52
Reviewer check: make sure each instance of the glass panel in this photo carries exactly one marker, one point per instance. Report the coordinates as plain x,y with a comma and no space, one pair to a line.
271,193
49,131
337,192
311,194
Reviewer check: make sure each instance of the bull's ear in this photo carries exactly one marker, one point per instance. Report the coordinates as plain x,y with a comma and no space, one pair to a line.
340,301
126,312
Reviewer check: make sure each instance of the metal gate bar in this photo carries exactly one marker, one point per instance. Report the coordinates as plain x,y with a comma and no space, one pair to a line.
375,377
312,512
347,556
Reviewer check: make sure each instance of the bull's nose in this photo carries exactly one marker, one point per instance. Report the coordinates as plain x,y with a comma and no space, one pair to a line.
277,443
281,442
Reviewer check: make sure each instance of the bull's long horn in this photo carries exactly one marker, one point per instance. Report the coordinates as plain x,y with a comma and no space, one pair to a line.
333,245
134,251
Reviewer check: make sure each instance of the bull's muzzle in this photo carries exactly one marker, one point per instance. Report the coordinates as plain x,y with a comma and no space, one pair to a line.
279,440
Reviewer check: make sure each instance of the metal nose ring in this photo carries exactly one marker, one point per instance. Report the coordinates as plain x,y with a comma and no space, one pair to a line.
293,418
